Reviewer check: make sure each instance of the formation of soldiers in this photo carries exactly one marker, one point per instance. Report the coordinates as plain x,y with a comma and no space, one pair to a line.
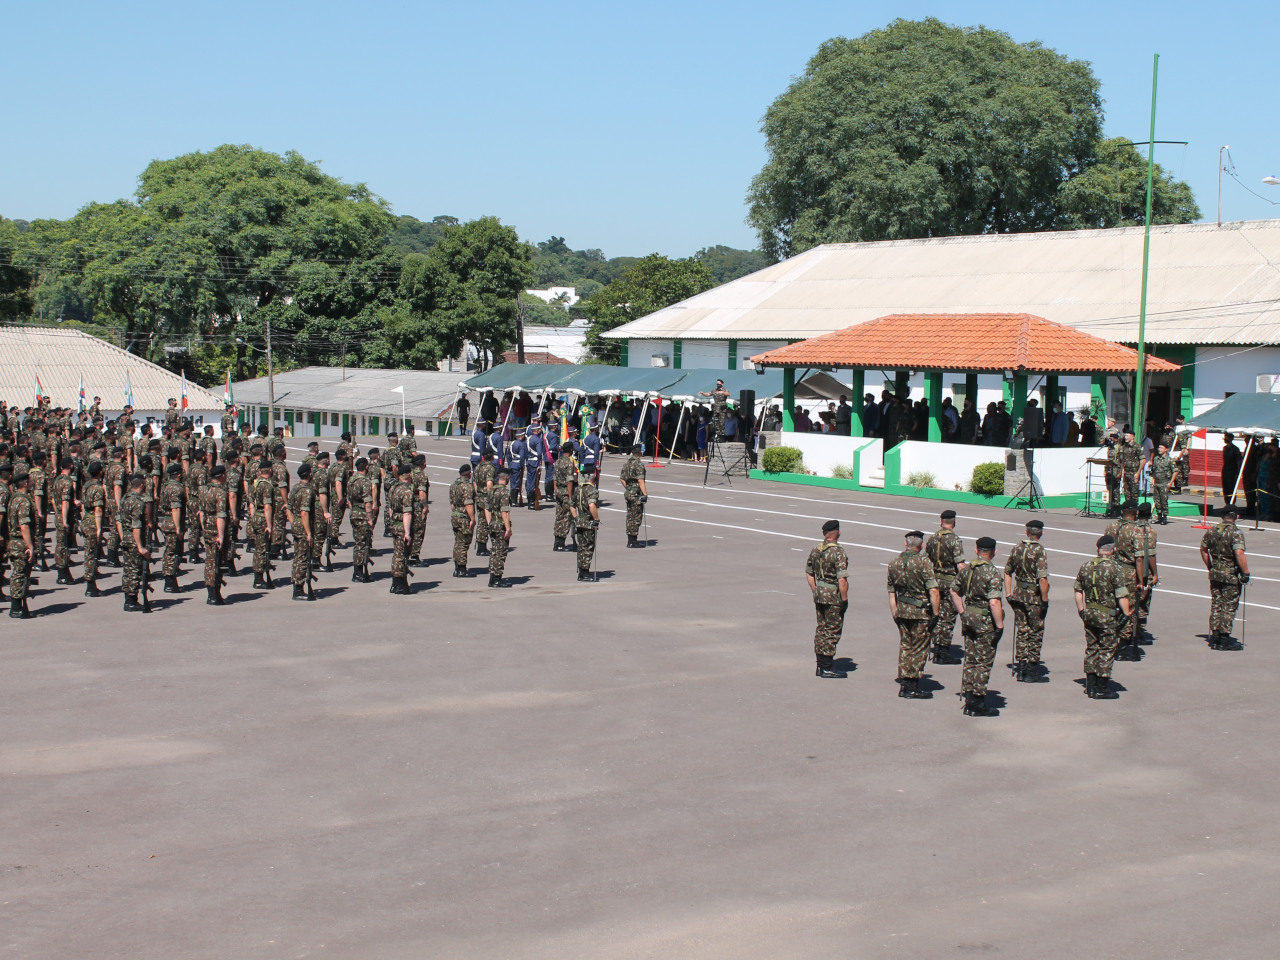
932,584
137,495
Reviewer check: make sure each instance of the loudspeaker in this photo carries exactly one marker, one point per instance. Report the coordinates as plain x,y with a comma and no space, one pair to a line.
746,404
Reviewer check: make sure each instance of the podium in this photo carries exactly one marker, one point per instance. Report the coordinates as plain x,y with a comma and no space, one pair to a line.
1095,471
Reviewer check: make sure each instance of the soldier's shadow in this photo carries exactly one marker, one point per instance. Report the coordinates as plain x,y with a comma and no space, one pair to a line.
844,663
164,604
56,608
517,581
1115,684
324,592
423,587
650,543
928,683
604,574
235,598
996,699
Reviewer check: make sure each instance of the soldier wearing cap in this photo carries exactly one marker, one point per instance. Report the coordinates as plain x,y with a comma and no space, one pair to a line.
945,551
827,571
1101,592
1130,457
1026,584
1222,550
132,520
230,427
400,504
913,604
584,508
517,449
498,513
170,506
483,477
535,454
22,549
719,410
215,525
977,593
261,519
279,513
462,516
419,495
1164,473
299,511
636,493
363,514
479,442
93,524
1134,554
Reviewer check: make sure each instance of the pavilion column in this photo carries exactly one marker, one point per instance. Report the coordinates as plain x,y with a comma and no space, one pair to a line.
1050,392
788,397
1019,398
971,388
933,394
1098,399
857,388
902,383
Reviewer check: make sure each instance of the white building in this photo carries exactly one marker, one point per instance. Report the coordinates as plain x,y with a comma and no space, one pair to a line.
567,296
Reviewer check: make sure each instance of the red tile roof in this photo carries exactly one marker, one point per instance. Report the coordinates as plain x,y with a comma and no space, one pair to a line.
534,356
963,342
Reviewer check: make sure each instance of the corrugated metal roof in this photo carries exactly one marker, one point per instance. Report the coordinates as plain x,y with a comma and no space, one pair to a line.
969,342
62,355
427,393
1207,285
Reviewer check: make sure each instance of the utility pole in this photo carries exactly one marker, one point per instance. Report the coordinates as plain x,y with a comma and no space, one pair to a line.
271,386
519,330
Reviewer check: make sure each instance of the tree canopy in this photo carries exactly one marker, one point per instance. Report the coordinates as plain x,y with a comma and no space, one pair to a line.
649,284
923,129
1111,191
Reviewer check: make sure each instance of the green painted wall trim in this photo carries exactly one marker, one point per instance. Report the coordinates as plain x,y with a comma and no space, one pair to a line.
733,354
1098,398
933,394
788,398
623,353
1019,406
855,402
677,353
373,426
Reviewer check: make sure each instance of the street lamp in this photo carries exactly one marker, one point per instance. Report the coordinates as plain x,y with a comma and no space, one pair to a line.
1271,181
271,380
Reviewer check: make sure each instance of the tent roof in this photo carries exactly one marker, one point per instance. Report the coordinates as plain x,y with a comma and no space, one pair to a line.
1242,413
596,379
967,342
427,393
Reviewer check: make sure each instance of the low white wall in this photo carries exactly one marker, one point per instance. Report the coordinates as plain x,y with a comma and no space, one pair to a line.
1057,470
824,451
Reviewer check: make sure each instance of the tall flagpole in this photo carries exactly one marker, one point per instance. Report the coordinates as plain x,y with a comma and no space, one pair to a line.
1139,393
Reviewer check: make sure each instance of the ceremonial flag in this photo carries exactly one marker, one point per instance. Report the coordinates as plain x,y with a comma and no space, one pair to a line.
128,391
183,403
227,396
39,389
83,406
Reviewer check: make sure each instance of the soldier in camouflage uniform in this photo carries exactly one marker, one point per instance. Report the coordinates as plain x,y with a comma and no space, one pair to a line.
636,492
483,477
132,520
1163,475
230,426
37,483
565,474
262,503
419,493
977,593
196,479
945,551
1026,584
280,480
375,488
1100,592
18,514
93,525
1130,458
400,504
320,555
1131,555
363,513
462,516
391,476
498,512
113,484
169,509
339,476
216,524
585,510
1222,551
1113,472
301,514
64,514
913,604
719,411
827,571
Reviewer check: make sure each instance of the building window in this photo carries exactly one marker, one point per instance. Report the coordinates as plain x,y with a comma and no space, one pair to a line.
311,417
333,420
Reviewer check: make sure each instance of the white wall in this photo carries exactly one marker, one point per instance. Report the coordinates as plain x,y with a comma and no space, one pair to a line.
749,348
704,353
1223,370
639,352
1057,470
824,452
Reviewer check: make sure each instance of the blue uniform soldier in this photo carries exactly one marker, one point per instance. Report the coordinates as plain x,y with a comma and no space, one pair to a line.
516,451
534,458
479,443
590,451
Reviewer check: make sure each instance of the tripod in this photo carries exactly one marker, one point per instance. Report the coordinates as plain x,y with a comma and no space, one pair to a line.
1028,495
726,464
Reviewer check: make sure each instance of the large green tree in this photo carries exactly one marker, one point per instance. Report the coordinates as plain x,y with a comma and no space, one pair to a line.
16,276
647,285
923,129
1111,191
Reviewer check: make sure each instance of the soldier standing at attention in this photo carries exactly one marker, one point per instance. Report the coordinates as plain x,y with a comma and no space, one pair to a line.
977,594
1100,591
1144,551
339,474
636,493
375,490
173,496
229,425
1113,472
280,480
479,442
719,409
363,515
535,452
64,514
593,452
132,520
214,520
1163,474
300,510
313,450
1127,539
113,484
21,546
1130,457
945,551
827,571
261,510
483,476
462,515
172,416
235,500
913,604
565,474
498,511
420,494
196,480
516,452
1222,551
391,476
1026,584
320,519
585,509
95,518
400,503
38,483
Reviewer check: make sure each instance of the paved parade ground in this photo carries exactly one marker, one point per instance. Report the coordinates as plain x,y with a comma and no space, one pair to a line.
644,767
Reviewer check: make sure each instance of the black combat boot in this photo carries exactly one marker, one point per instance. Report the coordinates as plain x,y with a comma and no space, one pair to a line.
1031,673
911,689
1101,689
171,585
131,604
975,705
405,589
328,564
44,564
356,575
586,576
942,655
299,593
495,581
364,573
558,544
632,541
18,610
826,669
91,588
113,558
64,576
482,550
215,597
1228,642
257,581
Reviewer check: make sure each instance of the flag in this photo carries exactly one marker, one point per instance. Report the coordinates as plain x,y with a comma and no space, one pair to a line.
399,390
128,391
39,389
227,396
564,425
83,406
1201,434
183,403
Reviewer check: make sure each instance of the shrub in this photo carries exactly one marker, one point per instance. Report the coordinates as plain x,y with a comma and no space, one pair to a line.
921,479
782,460
988,478
842,471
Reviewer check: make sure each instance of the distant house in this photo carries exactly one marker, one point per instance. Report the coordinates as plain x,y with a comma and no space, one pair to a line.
566,296
533,356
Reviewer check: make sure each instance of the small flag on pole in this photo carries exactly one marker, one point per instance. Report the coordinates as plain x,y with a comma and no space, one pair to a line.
397,389
83,406
128,391
227,396
39,390
183,403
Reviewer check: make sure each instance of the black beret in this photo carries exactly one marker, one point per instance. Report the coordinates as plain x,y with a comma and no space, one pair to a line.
1106,540
346,436
915,533
66,463
1231,511
465,469
830,525
322,455
948,514
174,469
1035,524
1144,510
986,543
100,445
503,472
406,469
1128,505
304,471
218,470
20,476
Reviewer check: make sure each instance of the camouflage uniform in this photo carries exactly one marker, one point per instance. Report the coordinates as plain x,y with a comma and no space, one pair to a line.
173,496
196,481
911,578
112,481
302,502
359,496
719,411
1114,469
339,476
1221,543
400,502
978,585
391,470
93,496
585,494
1130,457
1135,546
461,493
261,496
319,524
229,425
63,492
828,564
1026,566
1162,473
131,518
945,551
420,488
632,473
280,485
19,512
1102,582
483,477
39,487
565,474
499,512
213,506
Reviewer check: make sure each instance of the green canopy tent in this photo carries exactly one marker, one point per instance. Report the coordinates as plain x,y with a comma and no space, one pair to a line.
1248,414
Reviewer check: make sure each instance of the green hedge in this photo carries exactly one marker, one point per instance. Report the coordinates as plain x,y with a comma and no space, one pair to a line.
988,478
781,459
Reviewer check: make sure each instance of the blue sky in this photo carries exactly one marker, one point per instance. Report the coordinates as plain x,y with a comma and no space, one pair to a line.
629,127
